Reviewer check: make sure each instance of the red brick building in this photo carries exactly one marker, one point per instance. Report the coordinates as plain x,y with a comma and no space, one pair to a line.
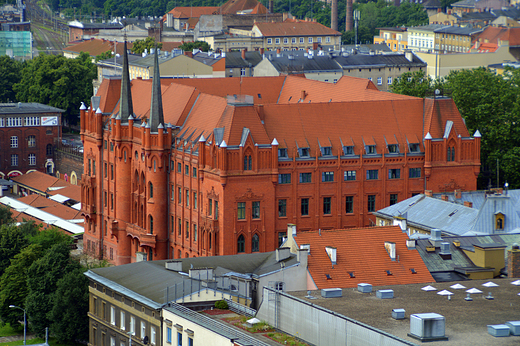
28,135
221,166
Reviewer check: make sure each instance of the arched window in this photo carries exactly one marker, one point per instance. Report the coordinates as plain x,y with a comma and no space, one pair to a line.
49,149
241,244
247,163
151,224
451,154
187,255
255,243
150,189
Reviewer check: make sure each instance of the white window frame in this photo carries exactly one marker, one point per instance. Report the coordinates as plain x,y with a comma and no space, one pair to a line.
293,40
310,39
132,325
14,141
32,159
269,41
327,39
389,80
285,40
122,322
277,40
152,336
14,160
379,80
302,40
143,330
113,315
112,341
30,142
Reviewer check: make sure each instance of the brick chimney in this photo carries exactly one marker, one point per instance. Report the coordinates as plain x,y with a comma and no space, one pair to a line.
428,193
513,262
444,198
349,19
468,204
244,54
334,15
458,193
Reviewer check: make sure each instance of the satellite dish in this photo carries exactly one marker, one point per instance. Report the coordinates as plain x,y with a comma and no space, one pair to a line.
145,340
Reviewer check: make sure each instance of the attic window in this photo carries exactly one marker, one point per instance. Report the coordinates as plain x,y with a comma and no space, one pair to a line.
414,147
328,277
371,149
259,96
413,271
326,151
453,212
388,272
393,149
352,275
348,150
282,152
303,152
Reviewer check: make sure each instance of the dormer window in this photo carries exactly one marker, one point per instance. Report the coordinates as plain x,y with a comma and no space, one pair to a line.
282,152
303,152
393,148
348,150
499,221
326,151
371,149
414,147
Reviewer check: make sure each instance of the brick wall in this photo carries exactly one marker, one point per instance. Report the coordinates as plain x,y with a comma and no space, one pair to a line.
67,160
513,263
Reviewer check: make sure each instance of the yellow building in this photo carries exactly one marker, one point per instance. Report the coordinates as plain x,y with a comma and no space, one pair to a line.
296,35
443,18
395,38
455,39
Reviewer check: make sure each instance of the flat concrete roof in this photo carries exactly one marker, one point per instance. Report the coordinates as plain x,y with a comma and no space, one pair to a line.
466,321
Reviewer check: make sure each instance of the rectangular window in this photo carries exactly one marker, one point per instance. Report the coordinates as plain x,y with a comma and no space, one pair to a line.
414,147
187,229
326,205
394,173
284,178
172,193
179,227
168,335
179,194
372,174
282,152
152,336
187,198
216,210
190,341
143,330
305,177
389,80
349,204
310,39
371,205
122,322
132,325
112,341
371,149
301,40
326,151
348,150
277,40
349,175
379,80
112,315
293,40
179,339
241,210
14,141
111,172
282,208
256,210
194,172
285,40
269,41
305,206
186,170
194,232
393,148
105,170
179,167
281,238
194,200
32,159
415,173
327,176
393,198
210,208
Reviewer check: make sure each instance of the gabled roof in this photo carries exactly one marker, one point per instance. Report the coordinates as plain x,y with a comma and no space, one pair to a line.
294,28
496,34
431,213
96,46
193,12
378,61
234,59
51,207
234,6
438,112
362,252
296,63
207,58
47,184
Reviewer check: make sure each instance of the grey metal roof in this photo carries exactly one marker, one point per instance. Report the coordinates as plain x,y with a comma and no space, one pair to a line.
430,27
296,62
148,60
119,60
430,213
214,325
504,204
104,26
512,12
207,58
234,59
468,16
378,60
148,281
27,108
458,30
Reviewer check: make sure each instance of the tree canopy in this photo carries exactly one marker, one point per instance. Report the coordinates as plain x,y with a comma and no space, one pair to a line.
190,46
489,103
148,43
57,81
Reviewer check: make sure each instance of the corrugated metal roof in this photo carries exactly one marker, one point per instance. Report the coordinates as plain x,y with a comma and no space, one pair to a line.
234,59
301,64
382,60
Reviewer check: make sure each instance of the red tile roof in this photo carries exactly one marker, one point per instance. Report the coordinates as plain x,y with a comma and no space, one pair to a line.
437,112
47,184
362,252
96,46
493,34
51,207
234,6
294,28
193,12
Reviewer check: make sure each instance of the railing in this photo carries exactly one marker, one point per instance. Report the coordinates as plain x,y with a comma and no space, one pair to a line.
240,309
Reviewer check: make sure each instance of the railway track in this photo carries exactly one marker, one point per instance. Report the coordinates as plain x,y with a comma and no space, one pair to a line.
50,32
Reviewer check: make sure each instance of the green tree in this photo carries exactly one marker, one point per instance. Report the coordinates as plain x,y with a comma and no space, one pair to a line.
414,84
104,56
6,215
50,237
148,43
57,81
69,314
10,72
12,241
13,284
42,280
190,46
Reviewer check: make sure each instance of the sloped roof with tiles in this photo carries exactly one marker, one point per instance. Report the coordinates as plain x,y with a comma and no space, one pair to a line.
497,34
96,46
47,184
437,112
110,93
193,12
362,252
68,190
234,6
51,207
294,28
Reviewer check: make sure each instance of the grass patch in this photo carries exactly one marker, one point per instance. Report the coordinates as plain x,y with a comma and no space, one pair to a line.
52,342
240,322
7,330
285,339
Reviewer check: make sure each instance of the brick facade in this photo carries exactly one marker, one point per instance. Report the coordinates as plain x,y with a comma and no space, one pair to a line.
229,175
513,263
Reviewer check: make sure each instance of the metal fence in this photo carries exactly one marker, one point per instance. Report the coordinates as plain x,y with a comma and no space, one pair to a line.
240,309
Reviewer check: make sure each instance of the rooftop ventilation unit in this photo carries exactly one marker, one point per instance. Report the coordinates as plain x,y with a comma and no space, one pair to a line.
445,251
331,293
436,239
427,327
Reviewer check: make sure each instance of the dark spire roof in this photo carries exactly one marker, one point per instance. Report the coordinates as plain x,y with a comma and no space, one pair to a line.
156,108
125,103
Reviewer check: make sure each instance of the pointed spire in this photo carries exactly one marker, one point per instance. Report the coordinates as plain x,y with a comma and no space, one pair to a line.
477,134
156,109
125,103
428,136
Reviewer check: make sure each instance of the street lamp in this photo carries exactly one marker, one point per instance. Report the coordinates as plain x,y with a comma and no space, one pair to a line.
24,323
